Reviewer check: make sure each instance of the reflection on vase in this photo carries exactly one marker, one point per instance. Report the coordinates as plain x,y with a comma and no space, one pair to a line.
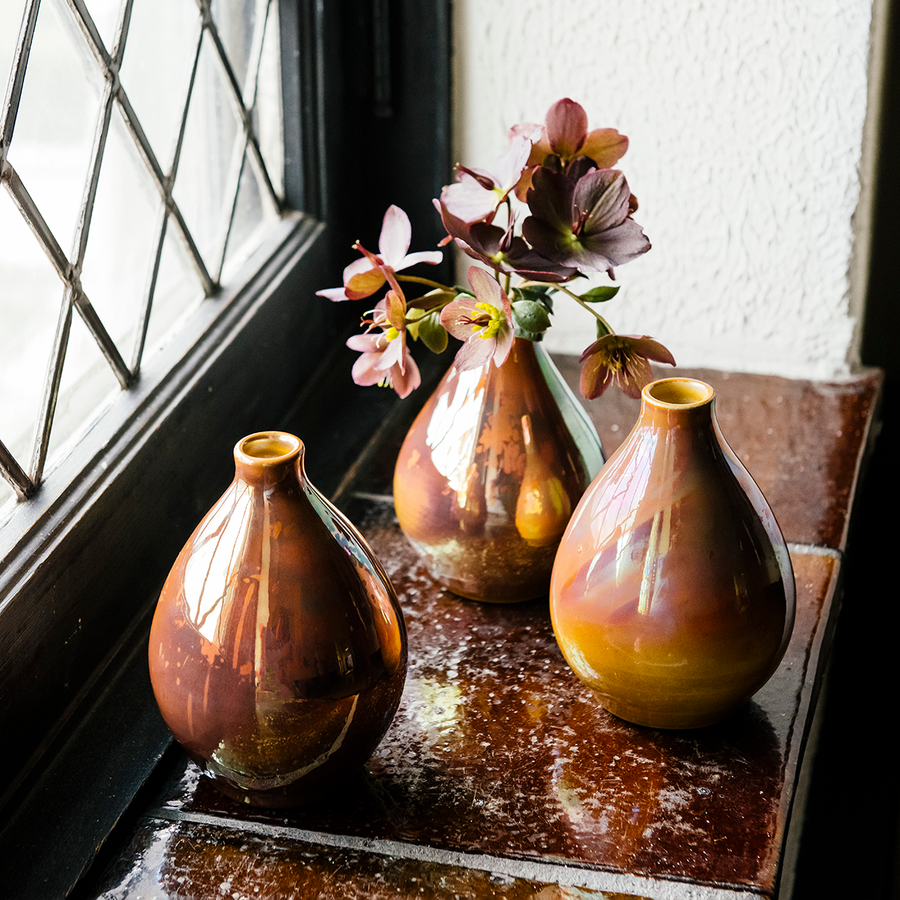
673,593
278,649
489,473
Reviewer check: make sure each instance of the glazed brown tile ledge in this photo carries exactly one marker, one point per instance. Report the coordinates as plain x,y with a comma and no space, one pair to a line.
501,776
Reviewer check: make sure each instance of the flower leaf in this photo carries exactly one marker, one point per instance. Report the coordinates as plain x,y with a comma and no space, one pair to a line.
428,330
531,319
601,294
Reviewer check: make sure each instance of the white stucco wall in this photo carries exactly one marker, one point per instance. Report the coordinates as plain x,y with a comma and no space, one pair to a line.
746,123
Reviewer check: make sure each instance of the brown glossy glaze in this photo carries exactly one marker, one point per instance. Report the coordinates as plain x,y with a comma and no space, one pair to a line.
801,439
498,749
672,592
490,472
278,649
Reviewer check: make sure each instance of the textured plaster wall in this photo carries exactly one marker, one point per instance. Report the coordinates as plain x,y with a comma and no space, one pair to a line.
747,126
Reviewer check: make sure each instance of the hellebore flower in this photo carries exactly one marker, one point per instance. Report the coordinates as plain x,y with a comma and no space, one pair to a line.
500,249
583,221
622,359
365,276
483,322
477,194
565,137
385,357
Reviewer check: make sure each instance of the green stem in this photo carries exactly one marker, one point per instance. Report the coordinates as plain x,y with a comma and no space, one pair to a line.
426,281
587,306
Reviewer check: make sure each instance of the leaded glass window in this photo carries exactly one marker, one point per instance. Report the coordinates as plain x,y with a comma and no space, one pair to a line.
141,157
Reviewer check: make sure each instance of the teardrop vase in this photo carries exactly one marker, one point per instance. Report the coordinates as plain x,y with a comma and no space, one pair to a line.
672,594
490,472
278,648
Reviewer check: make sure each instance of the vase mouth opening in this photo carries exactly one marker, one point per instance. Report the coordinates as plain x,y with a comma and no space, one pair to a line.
268,448
678,393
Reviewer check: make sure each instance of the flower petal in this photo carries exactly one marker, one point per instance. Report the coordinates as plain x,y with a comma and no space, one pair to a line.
605,146
396,233
406,379
364,284
566,127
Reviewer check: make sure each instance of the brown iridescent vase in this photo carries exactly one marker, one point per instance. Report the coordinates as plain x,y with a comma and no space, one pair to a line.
490,472
278,648
672,593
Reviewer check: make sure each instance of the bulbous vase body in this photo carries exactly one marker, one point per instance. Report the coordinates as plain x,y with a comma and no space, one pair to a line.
672,593
490,472
278,649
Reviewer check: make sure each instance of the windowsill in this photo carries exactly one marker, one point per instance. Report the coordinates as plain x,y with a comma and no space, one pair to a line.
495,802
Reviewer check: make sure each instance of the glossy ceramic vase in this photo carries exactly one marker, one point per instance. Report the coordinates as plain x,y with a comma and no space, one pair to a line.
490,472
672,593
278,649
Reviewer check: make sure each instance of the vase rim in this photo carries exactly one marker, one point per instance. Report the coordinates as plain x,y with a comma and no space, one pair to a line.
678,393
267,448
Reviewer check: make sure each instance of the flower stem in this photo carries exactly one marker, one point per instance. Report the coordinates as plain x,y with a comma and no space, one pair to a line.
426,281
587,306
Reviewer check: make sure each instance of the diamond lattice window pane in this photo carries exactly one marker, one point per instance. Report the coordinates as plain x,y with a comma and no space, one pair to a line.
105,14
207,158
123,238
177,294
254,214
30,298
51,148
267,118
10,20
87,381
159,54
236,22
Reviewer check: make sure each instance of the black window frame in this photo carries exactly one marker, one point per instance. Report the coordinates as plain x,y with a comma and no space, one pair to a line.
367,124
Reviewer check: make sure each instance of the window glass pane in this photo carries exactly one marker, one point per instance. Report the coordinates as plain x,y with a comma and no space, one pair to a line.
202,180
87,380
122,239
105,14
253,216
236,22
159,54
28,318
51,146
267,119
178,292
10,20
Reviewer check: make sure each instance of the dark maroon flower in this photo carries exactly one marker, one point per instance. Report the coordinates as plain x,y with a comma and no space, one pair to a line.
583,221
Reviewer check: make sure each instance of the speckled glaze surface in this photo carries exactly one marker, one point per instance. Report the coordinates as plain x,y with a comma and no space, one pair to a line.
278,649
490,472
673,594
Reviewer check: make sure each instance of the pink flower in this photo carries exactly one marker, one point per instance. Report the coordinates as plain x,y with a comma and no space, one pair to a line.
386,359
622,359
483,322
477,193
365,276
563,138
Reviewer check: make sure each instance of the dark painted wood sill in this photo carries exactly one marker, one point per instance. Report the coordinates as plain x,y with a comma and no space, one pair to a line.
500,776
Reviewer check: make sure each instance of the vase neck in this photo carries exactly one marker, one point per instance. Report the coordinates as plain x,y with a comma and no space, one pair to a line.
268,457
683,402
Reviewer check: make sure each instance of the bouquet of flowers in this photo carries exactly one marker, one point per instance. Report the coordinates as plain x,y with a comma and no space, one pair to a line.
576,222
